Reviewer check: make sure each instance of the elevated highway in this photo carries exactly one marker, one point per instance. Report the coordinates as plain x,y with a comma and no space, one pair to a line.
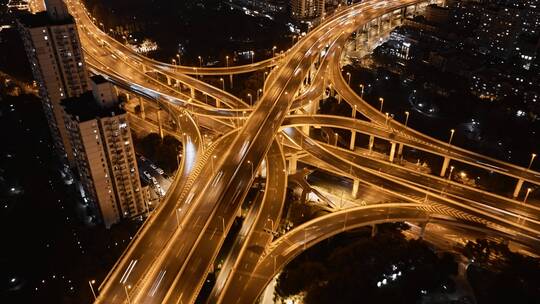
172,254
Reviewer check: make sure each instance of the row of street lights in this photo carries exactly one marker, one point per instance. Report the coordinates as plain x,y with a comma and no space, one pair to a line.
126,287
177,61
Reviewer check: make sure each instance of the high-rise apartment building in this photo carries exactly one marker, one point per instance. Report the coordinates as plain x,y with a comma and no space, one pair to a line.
54,51
104,155
307,9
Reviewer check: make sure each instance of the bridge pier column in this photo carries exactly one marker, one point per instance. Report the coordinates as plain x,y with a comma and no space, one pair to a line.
353,133
355,188
422,229
518,188
305,129
400,150
373,230
293,163
314,107
324,88
169,82
160,124
192,92
218,103
353,140
141,105
392,152
445,164
371,142
379,22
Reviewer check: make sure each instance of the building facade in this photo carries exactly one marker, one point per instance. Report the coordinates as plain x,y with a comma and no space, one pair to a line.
54,51
104,154
307,9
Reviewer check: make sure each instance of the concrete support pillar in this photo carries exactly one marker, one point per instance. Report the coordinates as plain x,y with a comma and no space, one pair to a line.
314,107
160,125
192,92
293,163
141,105
379,22
353,140
355,188
169,82
353,133
445,164
231,80
324,88
218,103
518,188
423,229
392,152
305,129
400,150
371,142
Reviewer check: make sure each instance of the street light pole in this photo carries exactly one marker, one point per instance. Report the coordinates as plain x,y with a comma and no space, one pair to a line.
91,283
259,91
177,211
529,190
451,136
381,100
349,78
533,156
222,224
178,56
251,164
274,51
450,174
127,293
200,61
213,171
361,90
250,99
406,118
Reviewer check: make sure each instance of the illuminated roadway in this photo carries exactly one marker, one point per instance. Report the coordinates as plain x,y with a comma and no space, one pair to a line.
168,260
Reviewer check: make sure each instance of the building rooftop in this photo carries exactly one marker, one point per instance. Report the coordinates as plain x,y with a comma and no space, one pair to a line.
85,107
42,19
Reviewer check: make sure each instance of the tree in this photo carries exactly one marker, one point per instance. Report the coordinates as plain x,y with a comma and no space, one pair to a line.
350,270
498,275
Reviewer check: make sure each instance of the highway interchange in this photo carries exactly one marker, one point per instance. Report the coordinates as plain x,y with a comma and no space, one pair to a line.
171,255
